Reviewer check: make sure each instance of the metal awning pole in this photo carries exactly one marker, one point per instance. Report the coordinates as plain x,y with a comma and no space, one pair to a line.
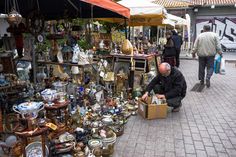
157,36
126,36
34,66
129,33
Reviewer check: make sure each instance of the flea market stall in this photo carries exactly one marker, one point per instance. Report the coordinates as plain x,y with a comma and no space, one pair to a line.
67,87
60,100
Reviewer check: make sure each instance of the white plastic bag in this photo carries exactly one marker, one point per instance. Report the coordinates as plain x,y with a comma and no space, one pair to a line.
222,66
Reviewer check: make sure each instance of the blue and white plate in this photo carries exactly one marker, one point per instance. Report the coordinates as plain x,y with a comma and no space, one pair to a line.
35,150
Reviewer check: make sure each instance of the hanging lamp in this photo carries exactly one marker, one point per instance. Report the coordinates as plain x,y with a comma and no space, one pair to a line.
14,18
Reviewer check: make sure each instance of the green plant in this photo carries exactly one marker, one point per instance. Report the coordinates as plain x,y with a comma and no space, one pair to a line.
107,26
42,47
84,44
61,42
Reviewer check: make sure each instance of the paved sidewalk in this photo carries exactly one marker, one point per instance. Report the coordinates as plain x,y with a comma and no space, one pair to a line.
205,126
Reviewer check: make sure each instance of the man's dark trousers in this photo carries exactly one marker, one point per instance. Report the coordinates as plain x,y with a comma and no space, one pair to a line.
177,57
206,62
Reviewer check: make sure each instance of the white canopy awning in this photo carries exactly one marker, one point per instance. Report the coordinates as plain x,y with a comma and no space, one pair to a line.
144,13
177,20
143,7
168,22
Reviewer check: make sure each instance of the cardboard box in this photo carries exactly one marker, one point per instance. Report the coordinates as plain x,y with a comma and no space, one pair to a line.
152,111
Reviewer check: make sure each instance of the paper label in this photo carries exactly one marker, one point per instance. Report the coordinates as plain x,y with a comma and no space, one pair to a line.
102,74
52,126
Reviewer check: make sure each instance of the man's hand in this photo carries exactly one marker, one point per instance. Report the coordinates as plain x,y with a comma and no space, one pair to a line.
160,96
145,96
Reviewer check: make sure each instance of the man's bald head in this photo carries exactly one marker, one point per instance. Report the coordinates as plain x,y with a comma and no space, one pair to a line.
164,69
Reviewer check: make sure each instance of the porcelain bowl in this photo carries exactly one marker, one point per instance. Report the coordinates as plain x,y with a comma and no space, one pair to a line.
49,95
30,109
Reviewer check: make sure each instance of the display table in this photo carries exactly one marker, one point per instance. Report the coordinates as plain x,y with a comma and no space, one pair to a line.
97,58
143,63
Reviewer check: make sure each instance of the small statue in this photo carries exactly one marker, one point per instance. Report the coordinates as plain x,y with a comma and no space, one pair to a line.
75,59
55,52
120,81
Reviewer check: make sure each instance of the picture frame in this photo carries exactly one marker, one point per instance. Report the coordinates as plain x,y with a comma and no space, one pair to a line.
119,66
153,65
138,80
122,68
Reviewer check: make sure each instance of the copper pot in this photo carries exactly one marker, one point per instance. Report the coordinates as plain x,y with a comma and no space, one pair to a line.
97,152
17,149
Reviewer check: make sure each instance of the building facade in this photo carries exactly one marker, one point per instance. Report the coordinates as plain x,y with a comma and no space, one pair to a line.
219,14
222,19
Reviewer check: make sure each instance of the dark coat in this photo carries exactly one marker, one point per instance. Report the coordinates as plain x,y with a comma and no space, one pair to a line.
169,49
177,40
173,85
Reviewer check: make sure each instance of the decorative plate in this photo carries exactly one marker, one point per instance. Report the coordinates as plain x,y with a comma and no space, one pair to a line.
48,92
66,137
94,143
40,38
107,120
66,155
35,150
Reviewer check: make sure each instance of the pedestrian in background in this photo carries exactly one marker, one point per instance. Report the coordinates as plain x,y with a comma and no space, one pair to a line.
178,41
207,45
169,52
185,40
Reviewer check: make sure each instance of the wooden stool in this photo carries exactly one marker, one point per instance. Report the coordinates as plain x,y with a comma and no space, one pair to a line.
57,107
37,132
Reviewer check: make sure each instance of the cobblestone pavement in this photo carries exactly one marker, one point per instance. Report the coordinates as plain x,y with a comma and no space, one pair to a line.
205,125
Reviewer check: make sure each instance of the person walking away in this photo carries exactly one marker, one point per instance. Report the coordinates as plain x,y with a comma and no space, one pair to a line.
186,40
178,42
169,84
169,52
207,45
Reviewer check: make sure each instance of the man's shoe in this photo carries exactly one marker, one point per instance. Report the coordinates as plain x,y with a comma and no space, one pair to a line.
202,82
176,109
208,84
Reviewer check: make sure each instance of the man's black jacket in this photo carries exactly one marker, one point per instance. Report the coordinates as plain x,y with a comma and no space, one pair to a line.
177,40
173,85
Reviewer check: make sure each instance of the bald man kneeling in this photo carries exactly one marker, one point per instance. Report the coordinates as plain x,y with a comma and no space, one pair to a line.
169,84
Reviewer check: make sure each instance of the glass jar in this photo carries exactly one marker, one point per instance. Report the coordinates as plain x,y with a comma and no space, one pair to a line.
60,87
